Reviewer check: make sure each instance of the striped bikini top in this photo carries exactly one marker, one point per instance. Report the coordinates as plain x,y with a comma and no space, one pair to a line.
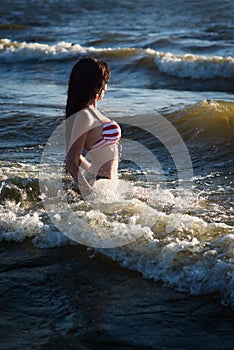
111,134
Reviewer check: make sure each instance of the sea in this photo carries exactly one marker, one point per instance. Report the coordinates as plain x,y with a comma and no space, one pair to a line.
147,262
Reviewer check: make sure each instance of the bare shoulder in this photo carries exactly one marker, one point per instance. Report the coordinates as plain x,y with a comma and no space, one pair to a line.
84,117
82,122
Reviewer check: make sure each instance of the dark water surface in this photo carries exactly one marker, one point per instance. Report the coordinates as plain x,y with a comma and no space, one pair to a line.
65,300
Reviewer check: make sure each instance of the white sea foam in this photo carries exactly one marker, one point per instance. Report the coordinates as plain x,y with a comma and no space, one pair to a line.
179,249
193,66
187,264
181,66
16,224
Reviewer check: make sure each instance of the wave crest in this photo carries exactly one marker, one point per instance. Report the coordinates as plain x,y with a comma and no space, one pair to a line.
208,121
181,66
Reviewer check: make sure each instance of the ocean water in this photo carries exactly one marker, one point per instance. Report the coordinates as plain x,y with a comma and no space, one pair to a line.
170,216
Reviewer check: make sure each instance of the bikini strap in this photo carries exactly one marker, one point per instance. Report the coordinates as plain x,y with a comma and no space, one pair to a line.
94,114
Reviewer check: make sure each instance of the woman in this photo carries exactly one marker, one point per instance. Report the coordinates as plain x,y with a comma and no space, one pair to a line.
87,128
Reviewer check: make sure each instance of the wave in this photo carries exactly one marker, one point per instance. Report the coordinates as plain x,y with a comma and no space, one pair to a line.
206,122
176,246
189,265
181,66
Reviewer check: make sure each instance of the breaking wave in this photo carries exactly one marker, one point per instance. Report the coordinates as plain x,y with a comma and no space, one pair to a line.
181,66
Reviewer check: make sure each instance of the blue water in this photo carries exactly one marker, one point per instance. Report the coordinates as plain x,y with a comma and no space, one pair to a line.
173,58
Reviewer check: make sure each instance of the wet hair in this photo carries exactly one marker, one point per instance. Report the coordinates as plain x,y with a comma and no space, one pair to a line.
87,80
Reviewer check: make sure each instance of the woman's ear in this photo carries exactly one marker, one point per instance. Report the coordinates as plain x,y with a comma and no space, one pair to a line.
100,94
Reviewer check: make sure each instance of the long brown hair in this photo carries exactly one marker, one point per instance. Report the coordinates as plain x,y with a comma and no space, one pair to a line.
87,80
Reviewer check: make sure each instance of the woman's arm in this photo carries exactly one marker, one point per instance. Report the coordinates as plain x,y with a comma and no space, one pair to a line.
84,163
75,160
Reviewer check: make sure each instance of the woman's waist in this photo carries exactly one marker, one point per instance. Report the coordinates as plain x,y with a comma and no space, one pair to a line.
105,168
105,153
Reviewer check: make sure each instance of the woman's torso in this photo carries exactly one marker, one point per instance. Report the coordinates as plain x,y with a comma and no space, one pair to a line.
102,144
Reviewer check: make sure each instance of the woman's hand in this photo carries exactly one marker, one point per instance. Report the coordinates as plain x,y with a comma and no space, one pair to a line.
84,163
84,185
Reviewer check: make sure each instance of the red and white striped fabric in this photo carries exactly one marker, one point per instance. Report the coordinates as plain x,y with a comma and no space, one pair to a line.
111,133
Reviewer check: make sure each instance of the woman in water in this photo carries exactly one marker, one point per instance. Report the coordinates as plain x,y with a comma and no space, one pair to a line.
87,128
